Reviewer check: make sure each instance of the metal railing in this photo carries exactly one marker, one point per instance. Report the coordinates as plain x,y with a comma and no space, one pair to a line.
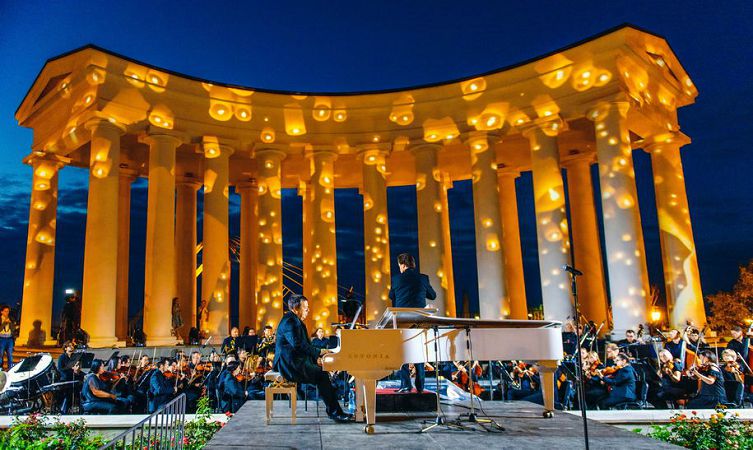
163,429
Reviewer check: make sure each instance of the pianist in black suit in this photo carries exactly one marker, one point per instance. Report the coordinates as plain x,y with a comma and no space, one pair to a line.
410,289
297,360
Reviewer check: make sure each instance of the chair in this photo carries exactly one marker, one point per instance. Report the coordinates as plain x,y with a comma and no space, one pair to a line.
279,385
734,391
641,394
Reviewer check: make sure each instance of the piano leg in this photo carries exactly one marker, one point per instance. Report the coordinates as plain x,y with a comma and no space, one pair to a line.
547,369
359,400
369,392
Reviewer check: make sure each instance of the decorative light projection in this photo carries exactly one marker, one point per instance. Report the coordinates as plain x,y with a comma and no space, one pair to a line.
227,103
294,123
340,114
267,135
472,89
322,109
402,110
269,267
491,118
323,258
551,221
443,129
623,237
161,116
683,285
375,232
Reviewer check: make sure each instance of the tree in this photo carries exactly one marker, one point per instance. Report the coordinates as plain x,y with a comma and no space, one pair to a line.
735,307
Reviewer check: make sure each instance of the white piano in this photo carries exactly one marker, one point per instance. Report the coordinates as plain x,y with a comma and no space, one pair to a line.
406,335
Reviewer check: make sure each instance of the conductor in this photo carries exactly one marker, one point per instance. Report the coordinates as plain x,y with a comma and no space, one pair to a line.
297,360
410,289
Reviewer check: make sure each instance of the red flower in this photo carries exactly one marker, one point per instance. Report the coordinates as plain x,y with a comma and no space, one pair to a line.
229,414
695,413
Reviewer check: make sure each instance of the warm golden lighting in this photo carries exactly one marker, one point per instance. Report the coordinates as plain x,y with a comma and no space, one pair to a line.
268,135
472,89
322,108
294,122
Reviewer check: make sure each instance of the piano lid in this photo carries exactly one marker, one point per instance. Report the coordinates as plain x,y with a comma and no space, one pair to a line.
426,318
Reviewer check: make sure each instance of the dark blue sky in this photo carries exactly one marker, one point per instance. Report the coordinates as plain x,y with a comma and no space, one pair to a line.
351,46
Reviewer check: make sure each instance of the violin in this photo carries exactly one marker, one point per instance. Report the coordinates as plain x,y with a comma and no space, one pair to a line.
733,367
607,371
110,377
169,374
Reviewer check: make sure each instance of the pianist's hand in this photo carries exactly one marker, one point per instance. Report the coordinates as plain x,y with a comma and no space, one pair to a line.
324,351
319,362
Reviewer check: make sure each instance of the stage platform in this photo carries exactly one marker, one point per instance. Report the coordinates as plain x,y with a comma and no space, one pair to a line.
523,423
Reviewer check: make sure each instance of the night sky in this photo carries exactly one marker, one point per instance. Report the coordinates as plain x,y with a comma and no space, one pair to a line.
346,46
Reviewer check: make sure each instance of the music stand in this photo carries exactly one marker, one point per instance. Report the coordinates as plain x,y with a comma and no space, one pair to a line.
28,365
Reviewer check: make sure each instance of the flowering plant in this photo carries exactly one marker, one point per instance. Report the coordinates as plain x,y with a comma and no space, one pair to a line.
36,432
201,429
722,431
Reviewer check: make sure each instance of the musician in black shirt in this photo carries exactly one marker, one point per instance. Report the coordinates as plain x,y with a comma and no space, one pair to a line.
675,344
232,342
739,342
712,382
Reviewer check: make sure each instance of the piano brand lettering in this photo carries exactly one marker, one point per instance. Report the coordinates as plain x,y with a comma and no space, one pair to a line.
368,356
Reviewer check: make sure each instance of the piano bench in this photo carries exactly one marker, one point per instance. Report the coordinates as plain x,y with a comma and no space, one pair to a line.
279,385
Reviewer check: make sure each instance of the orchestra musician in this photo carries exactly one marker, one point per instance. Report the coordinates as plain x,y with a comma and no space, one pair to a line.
250,340
675,344
627,345
299,361
711,391
266,345
740,341
694,341
231,343
672,386
232,393
318,340
594,390
621,383
611,352
95,396
526,381
734,377
569,338
410,289
161,389
68,373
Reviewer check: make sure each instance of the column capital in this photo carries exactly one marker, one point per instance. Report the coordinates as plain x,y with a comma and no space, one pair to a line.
102,122
325,154
427,147
602,109
38,157
578,158
267,151
127,173
247,185
212,148
372,154
478,141
655,144
158,135
195,183
551,126
507,171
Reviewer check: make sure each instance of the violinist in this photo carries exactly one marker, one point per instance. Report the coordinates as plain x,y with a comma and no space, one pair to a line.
232,342
123,385
674,344
526,381
694,340
95,397
161,388
670,372
141,377
595,391
621,383
711,391
611,353
731,368
569,338
232,392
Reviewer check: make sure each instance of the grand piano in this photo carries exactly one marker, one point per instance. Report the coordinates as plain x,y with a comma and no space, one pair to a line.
406,335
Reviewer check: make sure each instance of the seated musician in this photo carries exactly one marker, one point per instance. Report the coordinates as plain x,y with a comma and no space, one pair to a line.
734,377
144,371
250,340
266,345
194,385
569,338
611,351
318,340
594,390
230,344
124,386
526,381
95,396
674,345
712,391
621,383
297,360
68,373
739,342
627,345
694,341
410,289
232,392
161,389
672,386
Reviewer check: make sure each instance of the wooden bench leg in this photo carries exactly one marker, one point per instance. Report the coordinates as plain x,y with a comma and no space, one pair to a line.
293,400
268,398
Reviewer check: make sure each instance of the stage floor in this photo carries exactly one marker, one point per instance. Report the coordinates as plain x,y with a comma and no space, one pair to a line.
523,423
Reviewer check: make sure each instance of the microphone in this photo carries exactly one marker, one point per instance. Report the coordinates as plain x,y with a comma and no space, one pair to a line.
573,271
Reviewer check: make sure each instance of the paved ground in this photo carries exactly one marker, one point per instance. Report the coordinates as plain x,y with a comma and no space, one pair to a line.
524,428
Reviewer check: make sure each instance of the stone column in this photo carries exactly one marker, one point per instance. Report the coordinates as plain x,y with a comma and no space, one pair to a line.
434,253
159,263
39,271
513,256
375,233
323,301
269,268
551,221
185,250
623,236
592,292
127,178
215,278
681,277
249,240
494,302
101,247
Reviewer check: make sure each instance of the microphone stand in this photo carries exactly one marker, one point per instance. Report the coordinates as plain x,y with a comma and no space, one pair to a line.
579,363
